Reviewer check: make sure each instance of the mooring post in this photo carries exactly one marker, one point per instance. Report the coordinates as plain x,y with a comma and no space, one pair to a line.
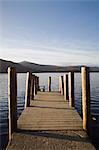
12,100
49,84
61,85
32,88
34,85
85,96
66,87
37,83
71,89
28,89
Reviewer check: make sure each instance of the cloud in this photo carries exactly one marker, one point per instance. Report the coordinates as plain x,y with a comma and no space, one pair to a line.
49,57
52,52
52,45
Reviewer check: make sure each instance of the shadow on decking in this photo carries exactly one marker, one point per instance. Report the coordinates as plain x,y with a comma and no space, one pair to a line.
51,101
53,107
59,135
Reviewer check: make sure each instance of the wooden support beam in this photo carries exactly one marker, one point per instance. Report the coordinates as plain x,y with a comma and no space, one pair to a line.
71,89
61,85
66,97
28,89
85,96
32,88
12,100
35,85
49,84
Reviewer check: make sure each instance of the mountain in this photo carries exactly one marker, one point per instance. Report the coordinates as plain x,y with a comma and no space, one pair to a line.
94,69
25,66
5,64
52,68
37,67
49,68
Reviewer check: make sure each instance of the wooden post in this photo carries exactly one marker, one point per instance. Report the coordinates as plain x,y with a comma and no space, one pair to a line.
37,83
85,96
34,85
66,87
32,88
71,89
61,85
28,89
12,100
49,84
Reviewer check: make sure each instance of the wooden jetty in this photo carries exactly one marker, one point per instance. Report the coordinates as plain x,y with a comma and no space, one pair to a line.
49,111
49,116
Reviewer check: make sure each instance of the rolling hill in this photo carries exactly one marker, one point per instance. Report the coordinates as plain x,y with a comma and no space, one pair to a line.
25,66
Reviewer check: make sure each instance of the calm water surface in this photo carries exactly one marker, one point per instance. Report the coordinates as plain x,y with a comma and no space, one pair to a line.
21,78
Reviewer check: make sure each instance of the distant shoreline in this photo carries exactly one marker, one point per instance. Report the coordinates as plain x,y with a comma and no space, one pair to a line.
24,67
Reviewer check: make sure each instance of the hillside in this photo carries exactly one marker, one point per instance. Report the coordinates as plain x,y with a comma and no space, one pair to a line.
5,64
37,67
24,66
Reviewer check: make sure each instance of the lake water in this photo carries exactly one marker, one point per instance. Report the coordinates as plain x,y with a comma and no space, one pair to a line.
21,79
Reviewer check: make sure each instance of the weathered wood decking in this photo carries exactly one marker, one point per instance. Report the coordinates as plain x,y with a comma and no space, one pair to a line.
49,111
50,124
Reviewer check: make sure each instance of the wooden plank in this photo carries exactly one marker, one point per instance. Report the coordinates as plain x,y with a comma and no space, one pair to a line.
46,113
54,128
49,117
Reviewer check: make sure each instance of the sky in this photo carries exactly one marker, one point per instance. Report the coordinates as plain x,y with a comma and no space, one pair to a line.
56,32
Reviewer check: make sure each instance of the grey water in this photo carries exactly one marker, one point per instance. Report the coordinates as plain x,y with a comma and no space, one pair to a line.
21,79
